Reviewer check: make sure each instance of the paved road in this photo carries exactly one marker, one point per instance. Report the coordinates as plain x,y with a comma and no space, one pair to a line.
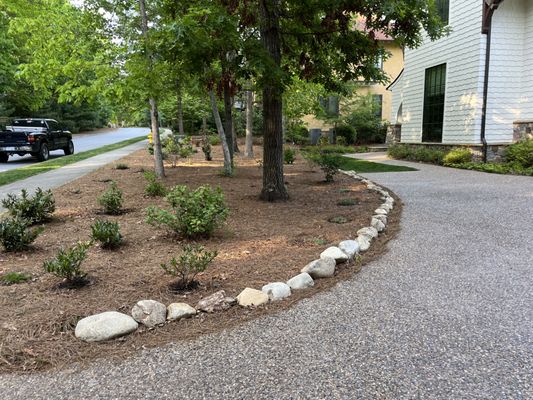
445,314
82,142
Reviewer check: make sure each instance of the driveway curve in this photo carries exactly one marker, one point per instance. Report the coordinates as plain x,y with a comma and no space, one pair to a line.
445,314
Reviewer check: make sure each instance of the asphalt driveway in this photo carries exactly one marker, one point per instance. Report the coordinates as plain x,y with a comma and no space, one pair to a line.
445,314
82,142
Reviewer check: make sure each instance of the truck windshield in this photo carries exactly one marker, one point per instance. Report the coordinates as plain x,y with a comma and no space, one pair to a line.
33,123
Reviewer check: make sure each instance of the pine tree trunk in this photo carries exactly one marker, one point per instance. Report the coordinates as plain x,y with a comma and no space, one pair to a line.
273,180
180,109
228,116
234,136
159,167
249,148
228,169
154,115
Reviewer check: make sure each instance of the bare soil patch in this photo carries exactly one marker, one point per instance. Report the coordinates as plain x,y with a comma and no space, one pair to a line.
261,243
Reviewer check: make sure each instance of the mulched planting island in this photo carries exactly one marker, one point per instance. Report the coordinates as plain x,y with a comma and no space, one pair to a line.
260,243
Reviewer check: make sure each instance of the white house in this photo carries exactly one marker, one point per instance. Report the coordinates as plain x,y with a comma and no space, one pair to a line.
439,96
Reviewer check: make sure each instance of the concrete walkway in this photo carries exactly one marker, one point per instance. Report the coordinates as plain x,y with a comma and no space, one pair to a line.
445,314
60,176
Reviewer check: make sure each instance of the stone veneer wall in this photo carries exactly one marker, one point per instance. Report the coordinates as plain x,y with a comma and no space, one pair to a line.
522,130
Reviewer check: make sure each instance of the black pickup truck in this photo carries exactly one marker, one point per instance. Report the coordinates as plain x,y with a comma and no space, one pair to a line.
35,136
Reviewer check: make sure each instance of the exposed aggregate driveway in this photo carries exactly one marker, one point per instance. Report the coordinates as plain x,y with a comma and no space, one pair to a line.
445,314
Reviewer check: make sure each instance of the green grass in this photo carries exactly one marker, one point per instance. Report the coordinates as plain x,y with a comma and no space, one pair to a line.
360,166
12,278
38,168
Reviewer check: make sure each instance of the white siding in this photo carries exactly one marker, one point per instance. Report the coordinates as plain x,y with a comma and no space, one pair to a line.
462,52
527,105
507,79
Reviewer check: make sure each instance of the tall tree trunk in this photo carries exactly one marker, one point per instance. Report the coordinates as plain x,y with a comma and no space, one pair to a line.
249,148
204,125
234,136
154,115
228,116
180,108
228,167
273,180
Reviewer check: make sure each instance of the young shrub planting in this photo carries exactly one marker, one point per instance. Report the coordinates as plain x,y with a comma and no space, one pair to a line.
193,260
193,213
15,235
34,209
457,156
206,148
12,278
214,140
107,233
328,163
185,148
111,199
121,166
289,155
67,264
154,187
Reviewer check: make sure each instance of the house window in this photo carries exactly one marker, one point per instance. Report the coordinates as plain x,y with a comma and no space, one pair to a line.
379,62
377,100
434,90
330,105
443,10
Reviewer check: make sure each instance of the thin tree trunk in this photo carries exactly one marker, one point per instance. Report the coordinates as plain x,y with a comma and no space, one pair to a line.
228,169
154,115
234,135
180,109
204,125
273,179
228,116
249,148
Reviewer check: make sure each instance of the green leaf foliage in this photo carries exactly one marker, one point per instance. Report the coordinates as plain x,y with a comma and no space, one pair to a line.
33,209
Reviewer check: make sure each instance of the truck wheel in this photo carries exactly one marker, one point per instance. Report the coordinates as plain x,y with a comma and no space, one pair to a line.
4,157
69,149
43,153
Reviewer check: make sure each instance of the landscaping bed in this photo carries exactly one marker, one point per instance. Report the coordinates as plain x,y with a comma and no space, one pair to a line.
260,243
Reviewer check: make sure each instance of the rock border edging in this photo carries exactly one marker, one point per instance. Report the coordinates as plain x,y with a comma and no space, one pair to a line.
107,325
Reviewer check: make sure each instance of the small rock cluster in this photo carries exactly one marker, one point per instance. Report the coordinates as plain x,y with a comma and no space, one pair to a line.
111,324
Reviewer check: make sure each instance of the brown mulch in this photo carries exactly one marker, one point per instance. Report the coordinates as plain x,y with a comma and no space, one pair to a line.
260,243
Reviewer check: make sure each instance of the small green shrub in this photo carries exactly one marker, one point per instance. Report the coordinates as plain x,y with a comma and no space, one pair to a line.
340,141
121,166
398,151
111,200
457,156
12,278
15,235
67,264
185,147
297,134
107,233
346,132
206,149
520,153
193,212
329,149
154,187
496,168
328,163
347,202
193,260
289,155
339,219
34,209
214,140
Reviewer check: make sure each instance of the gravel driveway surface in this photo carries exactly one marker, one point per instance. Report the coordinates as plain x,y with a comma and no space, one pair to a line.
445,314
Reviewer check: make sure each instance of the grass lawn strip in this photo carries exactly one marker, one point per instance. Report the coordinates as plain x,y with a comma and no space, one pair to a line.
38,168
362,166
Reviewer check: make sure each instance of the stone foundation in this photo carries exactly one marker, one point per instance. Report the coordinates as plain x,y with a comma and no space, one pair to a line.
495,153
522,130
394,134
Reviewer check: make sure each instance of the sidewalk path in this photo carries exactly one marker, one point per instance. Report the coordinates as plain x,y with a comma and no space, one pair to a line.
60,176
445,314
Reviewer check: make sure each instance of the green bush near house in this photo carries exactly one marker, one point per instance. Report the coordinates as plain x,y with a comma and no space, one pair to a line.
520,153
347,132
457,156
328,163
297,134
418,153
